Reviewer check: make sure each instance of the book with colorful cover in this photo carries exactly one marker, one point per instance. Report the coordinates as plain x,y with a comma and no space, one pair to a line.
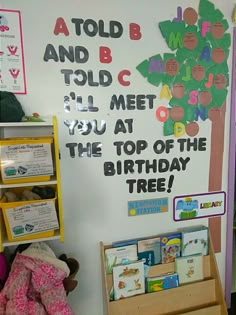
170,247
128,280
195,241
119,255
150,250
189,268
162,282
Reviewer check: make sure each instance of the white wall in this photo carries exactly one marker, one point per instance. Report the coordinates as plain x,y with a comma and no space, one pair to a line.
95,206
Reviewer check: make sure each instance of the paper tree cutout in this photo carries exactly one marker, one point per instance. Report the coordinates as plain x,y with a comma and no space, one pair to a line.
195,75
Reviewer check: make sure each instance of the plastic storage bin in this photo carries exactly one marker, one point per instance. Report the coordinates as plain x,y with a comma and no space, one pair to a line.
26,160
26,220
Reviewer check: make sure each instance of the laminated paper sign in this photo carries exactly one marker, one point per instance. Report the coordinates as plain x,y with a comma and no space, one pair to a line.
199,206
12,68
26,160
32,218
148,206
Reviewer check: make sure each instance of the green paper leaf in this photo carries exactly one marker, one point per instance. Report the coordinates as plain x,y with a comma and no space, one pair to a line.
168,127
143,68
206,8
173,33
218,15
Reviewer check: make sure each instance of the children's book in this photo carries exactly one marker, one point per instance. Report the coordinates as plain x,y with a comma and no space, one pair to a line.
119,255
147,257
111,295
170,247
195,241
128,280
162,282
150,250
189,268
133,241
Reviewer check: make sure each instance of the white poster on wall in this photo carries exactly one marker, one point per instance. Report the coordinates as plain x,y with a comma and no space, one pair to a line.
12,66
151,117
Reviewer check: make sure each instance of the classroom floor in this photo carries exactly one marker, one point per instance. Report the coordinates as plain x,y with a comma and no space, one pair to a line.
232,310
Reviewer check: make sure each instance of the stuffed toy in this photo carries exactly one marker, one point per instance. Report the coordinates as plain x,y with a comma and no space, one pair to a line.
10,108
69,282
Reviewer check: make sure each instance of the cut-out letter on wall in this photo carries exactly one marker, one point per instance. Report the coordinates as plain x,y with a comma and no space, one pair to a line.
193,98
156,66
61,27
121,77
121,127
208,84
187,76
50,53
179,15
205,28
179,129
206,54
162,113
175,40
165,92
135,31
105,54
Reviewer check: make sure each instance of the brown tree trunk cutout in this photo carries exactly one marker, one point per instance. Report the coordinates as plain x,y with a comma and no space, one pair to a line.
217,117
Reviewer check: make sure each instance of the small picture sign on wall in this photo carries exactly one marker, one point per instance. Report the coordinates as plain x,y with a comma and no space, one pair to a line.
12,62
199,206
149,206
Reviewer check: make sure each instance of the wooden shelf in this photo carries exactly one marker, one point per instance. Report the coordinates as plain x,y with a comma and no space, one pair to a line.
199,298
211,310
184,298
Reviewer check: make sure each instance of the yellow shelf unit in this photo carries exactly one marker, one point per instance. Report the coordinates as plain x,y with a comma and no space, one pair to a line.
200,298
28,130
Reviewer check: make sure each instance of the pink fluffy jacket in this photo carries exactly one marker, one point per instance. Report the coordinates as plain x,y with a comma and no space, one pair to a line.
35,285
